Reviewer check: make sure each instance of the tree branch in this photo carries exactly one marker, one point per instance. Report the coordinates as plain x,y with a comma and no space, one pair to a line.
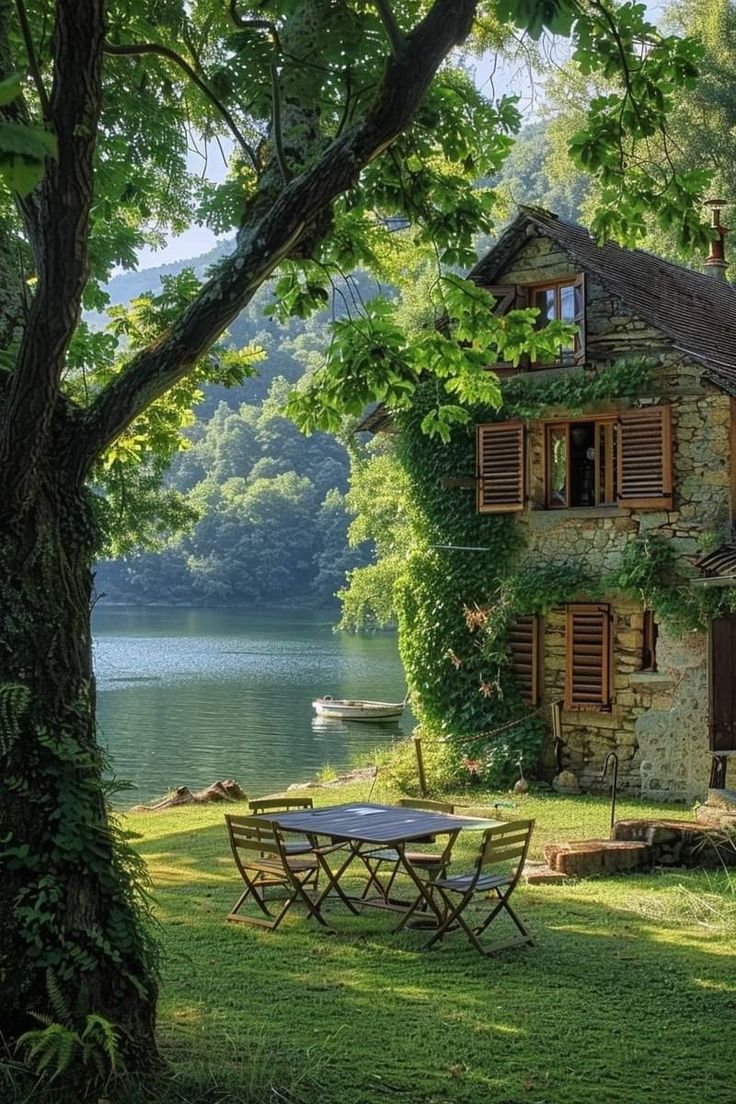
278,138
194,77
25,31
393,31
263,245
62,230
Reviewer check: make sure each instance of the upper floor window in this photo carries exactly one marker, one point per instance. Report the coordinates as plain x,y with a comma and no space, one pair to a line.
605,459
581,460
562,301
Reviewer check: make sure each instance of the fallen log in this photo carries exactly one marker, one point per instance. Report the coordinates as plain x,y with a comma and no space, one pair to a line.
229,790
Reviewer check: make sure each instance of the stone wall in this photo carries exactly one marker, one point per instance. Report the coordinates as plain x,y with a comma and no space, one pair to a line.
658,723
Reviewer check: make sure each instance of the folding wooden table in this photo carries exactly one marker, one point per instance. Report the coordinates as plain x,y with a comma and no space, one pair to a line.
359,824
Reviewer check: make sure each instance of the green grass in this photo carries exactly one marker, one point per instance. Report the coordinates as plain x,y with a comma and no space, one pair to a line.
626,997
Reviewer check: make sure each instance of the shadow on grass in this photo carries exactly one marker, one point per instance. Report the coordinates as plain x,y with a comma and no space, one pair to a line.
609,1006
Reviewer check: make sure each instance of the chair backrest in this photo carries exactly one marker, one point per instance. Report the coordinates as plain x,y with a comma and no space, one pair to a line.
506,842
279,804
425,803
252,838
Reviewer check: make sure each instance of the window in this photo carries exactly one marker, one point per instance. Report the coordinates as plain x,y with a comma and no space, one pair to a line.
563,301
581,463
588,658
608,459
500,458
524,644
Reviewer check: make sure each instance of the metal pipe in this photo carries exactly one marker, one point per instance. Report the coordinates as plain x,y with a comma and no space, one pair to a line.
612,756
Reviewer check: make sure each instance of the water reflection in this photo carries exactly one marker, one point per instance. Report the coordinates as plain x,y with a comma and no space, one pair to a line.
187,696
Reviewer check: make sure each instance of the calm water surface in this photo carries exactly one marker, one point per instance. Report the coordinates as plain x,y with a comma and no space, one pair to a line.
188,696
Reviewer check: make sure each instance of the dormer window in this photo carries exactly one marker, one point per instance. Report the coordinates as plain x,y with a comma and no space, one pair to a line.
562,301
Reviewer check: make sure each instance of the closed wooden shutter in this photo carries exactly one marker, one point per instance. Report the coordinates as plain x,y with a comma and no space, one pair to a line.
644,445
524,645
588,659
500,457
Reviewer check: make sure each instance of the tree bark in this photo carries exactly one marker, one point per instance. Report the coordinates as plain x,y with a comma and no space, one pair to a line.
68,916
66,913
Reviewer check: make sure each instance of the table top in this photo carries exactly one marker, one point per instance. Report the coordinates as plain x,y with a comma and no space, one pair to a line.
376,823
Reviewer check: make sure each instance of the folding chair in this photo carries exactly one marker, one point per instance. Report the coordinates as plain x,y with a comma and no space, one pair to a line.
432,863
261,857
508,842
272,805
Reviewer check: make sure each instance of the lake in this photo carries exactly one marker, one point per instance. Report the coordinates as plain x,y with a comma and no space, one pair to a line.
189,696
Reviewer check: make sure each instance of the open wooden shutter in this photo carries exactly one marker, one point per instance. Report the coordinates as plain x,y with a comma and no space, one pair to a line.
588,658
644,446
524,640
508,297
580,319
500,456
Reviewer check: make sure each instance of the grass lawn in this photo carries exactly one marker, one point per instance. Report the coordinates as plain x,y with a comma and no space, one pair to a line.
628,996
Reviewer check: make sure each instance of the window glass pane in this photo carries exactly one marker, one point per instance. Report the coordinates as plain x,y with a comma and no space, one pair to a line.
582,464
567,314
545,302
567,303
557,444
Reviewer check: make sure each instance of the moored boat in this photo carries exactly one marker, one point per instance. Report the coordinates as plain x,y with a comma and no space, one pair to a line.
351,709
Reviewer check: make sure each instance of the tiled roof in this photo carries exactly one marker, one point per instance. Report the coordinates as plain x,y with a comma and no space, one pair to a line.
719,564
697,311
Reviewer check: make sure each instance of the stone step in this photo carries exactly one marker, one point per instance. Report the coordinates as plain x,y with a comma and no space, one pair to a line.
539,873
680,842
582,858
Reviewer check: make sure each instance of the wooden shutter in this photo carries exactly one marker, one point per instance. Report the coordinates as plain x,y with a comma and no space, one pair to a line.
500,456
524,641
580,319
588,658
644,445
508,297
723,684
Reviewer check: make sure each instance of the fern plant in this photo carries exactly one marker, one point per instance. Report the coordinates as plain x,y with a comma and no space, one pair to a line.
53,1049
14,699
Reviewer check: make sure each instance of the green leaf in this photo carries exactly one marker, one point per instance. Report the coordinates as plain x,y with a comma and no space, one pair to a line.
9,89
23,152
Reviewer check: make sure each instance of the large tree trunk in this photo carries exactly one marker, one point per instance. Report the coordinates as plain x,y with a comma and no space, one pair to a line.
66,906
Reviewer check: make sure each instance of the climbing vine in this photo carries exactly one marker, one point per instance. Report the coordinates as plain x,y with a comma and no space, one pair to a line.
464,583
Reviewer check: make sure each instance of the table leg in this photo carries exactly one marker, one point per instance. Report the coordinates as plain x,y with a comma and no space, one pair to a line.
333,878
424,896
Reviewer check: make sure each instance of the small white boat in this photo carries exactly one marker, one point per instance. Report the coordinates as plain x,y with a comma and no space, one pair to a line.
345,709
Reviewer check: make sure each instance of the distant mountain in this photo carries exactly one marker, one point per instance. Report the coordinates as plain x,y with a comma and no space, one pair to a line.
129,285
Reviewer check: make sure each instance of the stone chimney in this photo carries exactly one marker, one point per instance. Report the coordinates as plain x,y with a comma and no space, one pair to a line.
716,263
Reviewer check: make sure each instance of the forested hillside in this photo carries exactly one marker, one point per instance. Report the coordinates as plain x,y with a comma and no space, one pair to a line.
273,521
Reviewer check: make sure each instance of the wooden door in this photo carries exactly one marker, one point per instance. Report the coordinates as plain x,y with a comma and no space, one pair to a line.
722,695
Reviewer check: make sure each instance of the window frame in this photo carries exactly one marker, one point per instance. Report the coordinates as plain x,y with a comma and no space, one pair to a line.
578,281
608,422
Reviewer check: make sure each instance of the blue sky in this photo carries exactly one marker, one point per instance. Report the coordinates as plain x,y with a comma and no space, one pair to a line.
509,76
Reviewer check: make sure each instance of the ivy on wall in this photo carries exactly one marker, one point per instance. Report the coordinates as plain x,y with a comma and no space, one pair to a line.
464,585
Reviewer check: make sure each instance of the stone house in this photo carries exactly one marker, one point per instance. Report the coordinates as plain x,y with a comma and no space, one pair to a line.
583,485
664,464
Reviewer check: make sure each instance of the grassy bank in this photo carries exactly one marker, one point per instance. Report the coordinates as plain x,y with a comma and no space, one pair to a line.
623,999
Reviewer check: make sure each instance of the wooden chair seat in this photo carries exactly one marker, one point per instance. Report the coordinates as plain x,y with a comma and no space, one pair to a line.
460,882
